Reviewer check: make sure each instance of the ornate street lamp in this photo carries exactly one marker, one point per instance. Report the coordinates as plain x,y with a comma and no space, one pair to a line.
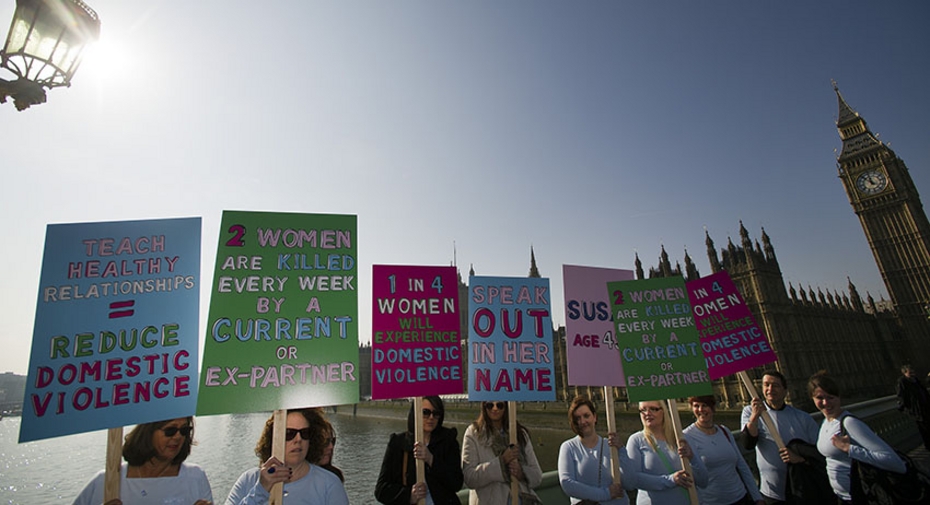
44,46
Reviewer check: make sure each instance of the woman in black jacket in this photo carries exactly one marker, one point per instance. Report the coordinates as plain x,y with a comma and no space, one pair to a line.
397,482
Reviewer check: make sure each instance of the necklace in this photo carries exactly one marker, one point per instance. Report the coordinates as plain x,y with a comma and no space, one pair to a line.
142,473
708,430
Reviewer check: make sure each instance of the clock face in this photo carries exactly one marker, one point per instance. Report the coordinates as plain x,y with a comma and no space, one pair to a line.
871,182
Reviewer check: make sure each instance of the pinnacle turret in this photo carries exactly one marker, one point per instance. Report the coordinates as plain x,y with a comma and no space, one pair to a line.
534,272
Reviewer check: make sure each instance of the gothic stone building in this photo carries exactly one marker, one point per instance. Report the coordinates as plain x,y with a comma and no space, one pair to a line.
859,342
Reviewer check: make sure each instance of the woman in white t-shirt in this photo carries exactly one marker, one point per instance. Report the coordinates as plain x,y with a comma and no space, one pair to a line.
155,472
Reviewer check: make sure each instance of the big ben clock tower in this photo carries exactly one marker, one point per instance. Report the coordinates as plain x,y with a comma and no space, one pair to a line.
884,197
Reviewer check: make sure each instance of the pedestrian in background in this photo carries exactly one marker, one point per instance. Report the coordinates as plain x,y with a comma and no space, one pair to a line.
914,398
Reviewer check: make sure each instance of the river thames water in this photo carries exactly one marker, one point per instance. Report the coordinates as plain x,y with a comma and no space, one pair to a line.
54,471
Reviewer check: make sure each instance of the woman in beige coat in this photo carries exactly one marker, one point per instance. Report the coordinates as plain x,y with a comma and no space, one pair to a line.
490,462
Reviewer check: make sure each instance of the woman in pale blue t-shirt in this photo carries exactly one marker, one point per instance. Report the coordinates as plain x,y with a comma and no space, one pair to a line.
729,479
304,482
661,480
585,461
859,442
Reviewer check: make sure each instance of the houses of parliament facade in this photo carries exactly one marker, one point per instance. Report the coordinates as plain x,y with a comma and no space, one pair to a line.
859,342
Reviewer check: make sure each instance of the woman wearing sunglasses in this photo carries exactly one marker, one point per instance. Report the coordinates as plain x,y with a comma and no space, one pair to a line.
490,462
397,482
329,447
660,479
154,471
304,483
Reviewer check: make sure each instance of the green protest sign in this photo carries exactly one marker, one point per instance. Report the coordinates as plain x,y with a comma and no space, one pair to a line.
659,344
283,325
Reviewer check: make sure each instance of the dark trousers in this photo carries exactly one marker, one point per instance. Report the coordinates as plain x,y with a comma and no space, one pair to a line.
924,428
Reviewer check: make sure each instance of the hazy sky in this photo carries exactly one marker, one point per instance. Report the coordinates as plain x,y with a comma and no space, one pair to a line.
589,130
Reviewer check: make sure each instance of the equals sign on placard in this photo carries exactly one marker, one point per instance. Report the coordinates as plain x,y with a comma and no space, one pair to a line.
122,309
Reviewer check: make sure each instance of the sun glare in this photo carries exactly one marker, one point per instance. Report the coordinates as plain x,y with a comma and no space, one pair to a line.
105,62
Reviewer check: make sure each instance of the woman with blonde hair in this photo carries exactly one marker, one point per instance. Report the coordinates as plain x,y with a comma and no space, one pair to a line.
490,463
661,479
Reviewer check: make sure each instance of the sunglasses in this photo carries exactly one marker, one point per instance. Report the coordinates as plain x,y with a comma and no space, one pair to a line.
330,440
649,409
290,433
434,413
173,430
491,405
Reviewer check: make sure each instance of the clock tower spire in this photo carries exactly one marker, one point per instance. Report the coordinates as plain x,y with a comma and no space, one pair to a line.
885,199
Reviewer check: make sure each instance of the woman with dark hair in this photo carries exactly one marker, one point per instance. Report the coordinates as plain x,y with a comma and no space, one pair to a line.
661,479
304,482
585,461
490,462
844,438
154,471
329,447
397,482
729,479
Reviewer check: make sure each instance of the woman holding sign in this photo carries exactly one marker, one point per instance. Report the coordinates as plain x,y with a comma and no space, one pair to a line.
490,462
155,471
661,480
397,482
730,481
304,483
585,461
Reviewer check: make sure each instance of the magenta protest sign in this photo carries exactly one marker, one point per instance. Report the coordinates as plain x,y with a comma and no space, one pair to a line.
415,349
730,338
590,344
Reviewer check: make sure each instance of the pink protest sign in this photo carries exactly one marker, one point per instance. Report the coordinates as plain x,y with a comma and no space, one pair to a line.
730,338
415,349
590,344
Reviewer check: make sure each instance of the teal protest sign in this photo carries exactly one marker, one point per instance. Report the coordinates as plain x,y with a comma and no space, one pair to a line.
116,329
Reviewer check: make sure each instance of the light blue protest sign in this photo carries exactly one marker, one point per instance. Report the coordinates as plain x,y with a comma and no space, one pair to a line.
510,339
115,340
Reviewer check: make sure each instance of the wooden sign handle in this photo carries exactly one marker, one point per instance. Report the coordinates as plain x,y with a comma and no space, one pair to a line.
111,479
685,462
278,447
766,418
612,428
418,437
514,483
